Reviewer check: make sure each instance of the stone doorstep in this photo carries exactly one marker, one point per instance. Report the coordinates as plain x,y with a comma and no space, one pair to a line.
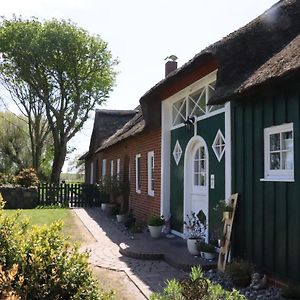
169,259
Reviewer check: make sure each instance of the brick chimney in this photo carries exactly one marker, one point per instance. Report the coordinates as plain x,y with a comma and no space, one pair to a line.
171,64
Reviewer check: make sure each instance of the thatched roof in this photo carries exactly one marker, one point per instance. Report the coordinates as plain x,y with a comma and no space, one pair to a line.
131,128
282,65
106,123
239,54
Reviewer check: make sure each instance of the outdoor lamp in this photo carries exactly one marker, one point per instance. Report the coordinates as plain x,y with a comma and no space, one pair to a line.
189,122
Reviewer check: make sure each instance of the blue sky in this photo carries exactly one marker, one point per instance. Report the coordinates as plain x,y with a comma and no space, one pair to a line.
141,33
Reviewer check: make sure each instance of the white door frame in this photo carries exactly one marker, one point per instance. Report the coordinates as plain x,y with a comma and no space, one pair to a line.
195,142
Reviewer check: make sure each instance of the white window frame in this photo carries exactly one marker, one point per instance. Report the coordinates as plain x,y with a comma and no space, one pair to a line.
103,167
277,175
118,167
138,183
111,168
150,173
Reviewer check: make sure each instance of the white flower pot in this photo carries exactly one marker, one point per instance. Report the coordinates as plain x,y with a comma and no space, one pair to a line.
192,246
155,231
208,255
103,206
120,218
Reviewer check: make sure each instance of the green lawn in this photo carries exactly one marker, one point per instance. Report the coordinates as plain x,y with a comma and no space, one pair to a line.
72,226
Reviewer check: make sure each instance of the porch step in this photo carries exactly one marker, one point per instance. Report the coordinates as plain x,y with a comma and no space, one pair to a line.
173,251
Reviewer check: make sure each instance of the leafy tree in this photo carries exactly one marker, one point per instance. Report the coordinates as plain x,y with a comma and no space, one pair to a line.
34,112
67,69
15,145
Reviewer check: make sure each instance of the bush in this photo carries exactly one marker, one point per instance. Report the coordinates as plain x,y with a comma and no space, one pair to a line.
27,178
204,247
291,292
240,273
174,290
7,179
38,262
156,221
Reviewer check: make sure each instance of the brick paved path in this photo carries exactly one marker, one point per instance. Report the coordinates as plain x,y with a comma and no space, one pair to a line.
147,275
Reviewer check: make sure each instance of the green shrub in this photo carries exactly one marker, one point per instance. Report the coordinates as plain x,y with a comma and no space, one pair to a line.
240,273
6,179
44,263
27,178
156,221
204,247
291,292
173,290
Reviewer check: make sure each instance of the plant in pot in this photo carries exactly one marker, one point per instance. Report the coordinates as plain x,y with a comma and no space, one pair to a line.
120,216
224,208
207,250
239,273
195,230
227,212
104,188
218,237
155,224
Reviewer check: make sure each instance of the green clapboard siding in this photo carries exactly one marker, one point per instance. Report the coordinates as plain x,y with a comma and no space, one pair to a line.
207,129
267,230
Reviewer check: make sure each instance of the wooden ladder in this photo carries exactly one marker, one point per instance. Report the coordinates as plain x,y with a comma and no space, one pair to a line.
225,248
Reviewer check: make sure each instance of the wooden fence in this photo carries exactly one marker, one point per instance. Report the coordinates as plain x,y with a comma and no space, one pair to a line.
70,195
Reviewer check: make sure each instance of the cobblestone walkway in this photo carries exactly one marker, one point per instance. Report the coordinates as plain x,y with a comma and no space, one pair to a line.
147,275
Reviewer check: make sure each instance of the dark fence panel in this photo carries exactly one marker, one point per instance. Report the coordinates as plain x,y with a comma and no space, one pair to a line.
70,195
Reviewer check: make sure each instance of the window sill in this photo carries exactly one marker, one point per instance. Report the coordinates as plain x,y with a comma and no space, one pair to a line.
151,194
278,179
138,191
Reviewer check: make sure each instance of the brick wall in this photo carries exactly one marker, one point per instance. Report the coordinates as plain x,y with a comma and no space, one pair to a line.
142,204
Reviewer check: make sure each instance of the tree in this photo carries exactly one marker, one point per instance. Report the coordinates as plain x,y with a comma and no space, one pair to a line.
67,69
34,111
15,145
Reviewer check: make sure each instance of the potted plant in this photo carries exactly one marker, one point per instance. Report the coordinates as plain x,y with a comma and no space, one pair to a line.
227,212
224,208
155,224
195,230
207,250
102,187
120,216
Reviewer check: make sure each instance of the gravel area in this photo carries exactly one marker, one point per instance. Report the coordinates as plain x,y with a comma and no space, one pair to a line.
271,292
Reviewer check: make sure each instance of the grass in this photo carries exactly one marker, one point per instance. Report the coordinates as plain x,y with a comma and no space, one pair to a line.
71,227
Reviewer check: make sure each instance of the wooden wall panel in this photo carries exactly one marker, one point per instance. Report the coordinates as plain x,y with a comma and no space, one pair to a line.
267,230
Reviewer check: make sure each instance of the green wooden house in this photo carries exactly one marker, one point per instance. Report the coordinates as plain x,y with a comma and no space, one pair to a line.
230,123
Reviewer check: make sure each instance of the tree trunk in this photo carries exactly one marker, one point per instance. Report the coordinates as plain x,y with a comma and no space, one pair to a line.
58,162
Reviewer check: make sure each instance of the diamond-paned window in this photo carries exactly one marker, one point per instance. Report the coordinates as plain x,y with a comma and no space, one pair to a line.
177,152
194,104
179,112
219,145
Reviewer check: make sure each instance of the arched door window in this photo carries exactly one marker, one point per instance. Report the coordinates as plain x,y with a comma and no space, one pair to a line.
200,176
